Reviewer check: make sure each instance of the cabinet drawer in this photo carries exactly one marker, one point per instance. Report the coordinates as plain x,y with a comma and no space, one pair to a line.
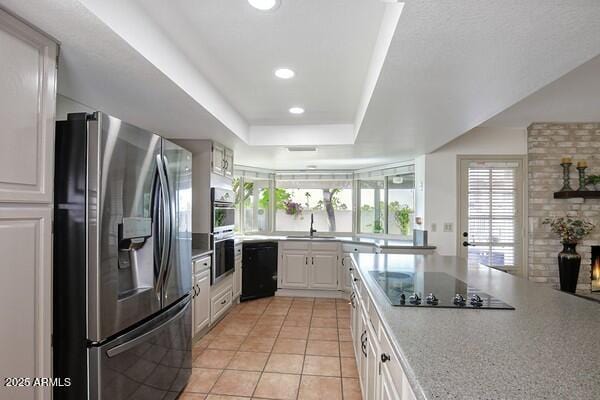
325,246
373,317
202,264
220,303
295,245
357,248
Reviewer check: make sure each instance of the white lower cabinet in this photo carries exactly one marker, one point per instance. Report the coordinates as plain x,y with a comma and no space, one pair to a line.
305,265
294,270
380,373
220,303
237,272
201,301
200,295
25,287
323,273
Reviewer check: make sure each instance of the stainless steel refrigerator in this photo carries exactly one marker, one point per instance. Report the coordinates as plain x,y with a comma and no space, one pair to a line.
122,261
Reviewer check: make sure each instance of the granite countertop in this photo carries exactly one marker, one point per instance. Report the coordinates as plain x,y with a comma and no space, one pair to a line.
200,245
198,253
547,348
381,243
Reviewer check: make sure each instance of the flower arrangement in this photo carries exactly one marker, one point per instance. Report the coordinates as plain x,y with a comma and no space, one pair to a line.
568,229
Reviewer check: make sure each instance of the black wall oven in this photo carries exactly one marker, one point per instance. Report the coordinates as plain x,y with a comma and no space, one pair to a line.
224,257
223,223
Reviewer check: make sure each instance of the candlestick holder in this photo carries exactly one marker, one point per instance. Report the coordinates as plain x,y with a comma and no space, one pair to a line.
581,170
566,176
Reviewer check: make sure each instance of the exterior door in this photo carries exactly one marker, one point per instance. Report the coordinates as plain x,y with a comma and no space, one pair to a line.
122,278
323,270
178,275
295,269
491,225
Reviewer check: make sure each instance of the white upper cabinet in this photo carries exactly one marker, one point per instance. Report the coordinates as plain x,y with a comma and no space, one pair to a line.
228,161
27,109
222,160
218,159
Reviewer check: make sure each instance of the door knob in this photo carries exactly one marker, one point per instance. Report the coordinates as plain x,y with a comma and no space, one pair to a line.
465,244
465,234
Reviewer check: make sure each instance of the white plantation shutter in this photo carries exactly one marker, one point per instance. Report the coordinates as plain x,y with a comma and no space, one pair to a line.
493,213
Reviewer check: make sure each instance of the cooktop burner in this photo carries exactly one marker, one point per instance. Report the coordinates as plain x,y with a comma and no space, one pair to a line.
433,289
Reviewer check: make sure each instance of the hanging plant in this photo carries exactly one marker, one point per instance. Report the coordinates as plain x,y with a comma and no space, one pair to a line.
293,208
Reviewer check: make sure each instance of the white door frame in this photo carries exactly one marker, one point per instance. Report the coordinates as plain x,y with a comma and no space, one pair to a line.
460,209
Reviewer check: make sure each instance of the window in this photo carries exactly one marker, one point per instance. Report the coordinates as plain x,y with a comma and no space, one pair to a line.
372,205
387,205
252,204
330,201
491,212
401,204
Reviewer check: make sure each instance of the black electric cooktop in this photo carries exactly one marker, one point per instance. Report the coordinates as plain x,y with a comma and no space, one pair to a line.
433,289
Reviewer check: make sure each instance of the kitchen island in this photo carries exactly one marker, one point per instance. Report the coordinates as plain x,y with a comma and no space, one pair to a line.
546,348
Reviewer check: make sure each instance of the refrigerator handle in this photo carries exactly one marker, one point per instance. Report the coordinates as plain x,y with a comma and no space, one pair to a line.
166,222
133,342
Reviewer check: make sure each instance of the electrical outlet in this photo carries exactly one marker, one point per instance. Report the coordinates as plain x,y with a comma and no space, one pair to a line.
434,227
448,227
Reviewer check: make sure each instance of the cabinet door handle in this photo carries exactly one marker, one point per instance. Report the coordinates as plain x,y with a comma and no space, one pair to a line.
355,279
306,261
385,357
313,260
199,289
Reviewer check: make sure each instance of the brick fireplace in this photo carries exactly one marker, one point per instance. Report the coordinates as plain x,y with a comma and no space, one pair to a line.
547,143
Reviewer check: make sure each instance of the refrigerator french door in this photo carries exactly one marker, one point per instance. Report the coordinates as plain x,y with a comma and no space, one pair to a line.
122,261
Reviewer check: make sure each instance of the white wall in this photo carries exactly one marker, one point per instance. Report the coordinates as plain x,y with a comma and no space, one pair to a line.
65,105
440,170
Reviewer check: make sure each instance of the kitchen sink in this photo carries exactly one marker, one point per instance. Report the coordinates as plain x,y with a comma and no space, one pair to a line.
309,237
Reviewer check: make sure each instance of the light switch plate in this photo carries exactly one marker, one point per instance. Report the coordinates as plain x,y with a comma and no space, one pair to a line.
448,227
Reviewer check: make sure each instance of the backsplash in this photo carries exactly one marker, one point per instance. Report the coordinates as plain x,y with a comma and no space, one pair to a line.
547,143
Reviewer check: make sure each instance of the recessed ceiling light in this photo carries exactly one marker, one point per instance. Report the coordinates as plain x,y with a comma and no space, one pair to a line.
284,73
264,5
296,110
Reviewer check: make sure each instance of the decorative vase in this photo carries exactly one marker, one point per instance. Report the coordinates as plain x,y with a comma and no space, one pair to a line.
568,267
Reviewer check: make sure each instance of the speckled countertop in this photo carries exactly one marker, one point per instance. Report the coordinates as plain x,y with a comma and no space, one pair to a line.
547,348
381,243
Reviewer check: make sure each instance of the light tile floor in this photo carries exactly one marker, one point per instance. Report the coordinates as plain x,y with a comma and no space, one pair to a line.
280,348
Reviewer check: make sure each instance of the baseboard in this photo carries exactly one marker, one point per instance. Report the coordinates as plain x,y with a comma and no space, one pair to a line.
334,294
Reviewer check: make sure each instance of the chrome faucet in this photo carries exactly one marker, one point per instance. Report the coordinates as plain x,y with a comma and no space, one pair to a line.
312,221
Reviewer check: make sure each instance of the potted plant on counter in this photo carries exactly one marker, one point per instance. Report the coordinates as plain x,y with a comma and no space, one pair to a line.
570,231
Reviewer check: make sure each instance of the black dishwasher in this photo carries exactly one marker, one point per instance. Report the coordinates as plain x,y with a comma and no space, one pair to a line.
259,270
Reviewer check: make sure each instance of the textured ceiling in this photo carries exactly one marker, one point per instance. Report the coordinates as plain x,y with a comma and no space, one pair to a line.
327,43
451,65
